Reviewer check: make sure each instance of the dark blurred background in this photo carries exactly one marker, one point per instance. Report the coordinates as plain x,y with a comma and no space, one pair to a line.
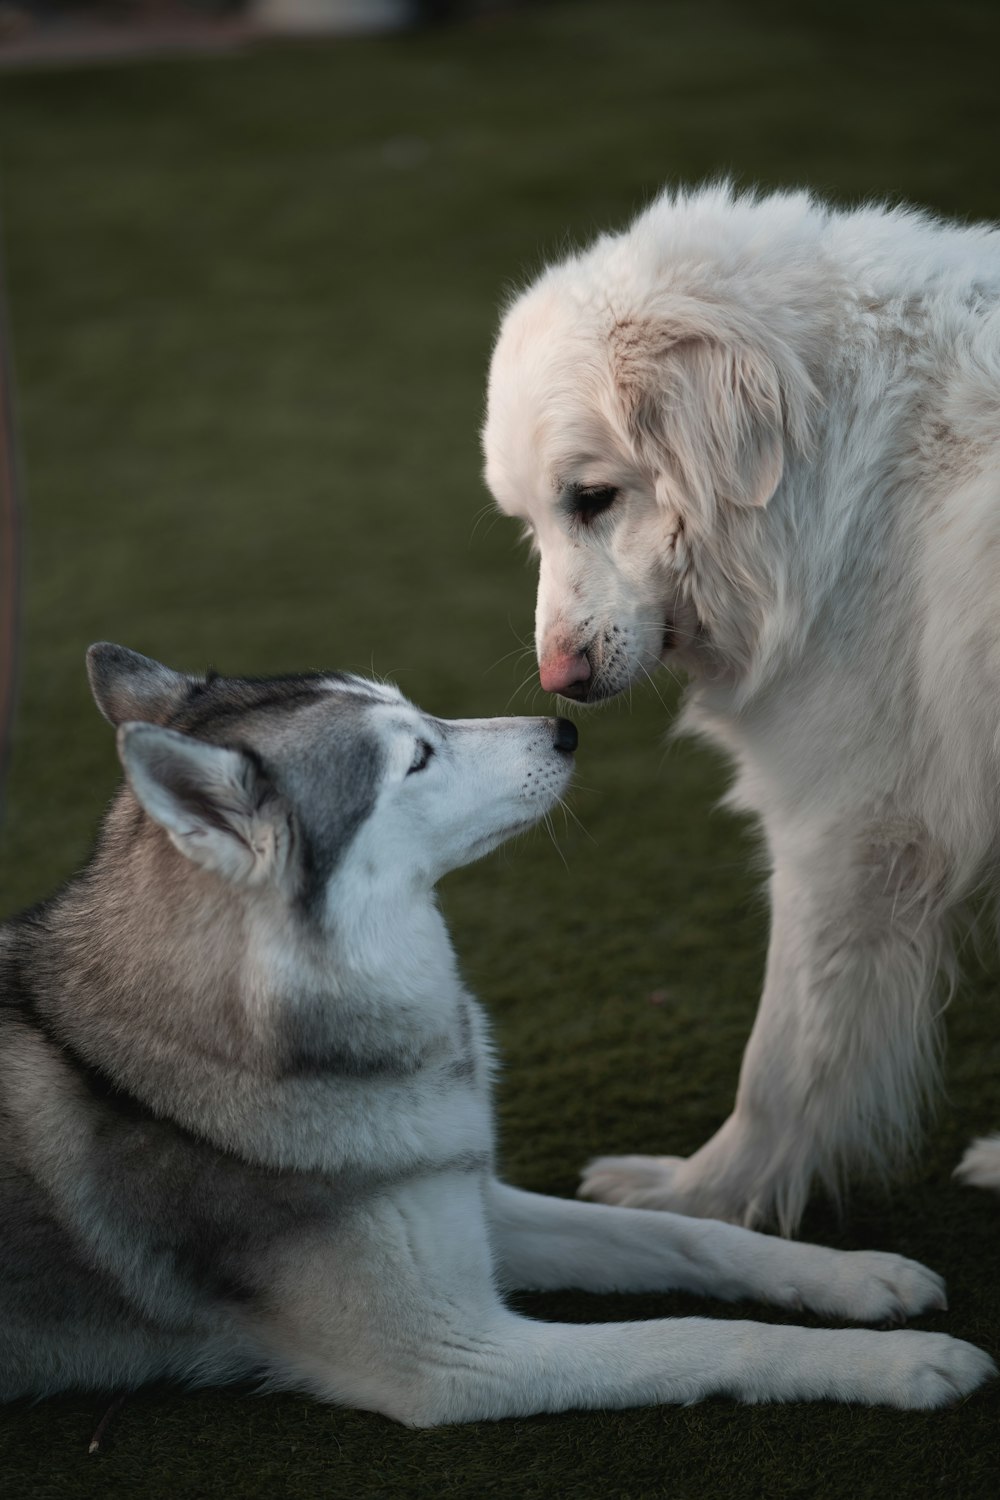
253,261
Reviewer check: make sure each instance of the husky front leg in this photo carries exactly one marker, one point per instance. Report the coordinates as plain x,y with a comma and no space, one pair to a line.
509,1366
398,1312
842,1051
544,1243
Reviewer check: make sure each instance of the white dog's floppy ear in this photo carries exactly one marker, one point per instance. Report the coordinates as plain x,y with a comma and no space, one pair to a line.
212,801
710,408
126,685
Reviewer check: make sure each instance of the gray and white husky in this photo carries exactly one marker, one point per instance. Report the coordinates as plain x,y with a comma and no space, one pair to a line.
245,1117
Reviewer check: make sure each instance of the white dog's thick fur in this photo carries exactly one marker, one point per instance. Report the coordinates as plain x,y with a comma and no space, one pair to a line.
760,439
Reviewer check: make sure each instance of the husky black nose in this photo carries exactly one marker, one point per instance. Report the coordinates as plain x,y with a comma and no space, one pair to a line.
566,735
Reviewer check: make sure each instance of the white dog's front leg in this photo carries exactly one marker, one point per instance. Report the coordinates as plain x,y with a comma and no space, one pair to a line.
544,1243
839,1059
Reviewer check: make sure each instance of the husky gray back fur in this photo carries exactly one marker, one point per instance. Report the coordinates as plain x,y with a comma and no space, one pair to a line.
245,1120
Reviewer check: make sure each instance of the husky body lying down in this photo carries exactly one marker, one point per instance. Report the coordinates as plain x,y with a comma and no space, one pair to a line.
245,1118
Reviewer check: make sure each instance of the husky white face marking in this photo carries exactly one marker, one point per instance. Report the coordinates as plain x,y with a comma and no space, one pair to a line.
452,790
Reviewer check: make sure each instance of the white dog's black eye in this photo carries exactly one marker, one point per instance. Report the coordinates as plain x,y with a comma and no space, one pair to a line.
421,756
587,502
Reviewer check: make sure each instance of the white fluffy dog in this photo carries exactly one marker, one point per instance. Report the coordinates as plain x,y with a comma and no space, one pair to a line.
759,439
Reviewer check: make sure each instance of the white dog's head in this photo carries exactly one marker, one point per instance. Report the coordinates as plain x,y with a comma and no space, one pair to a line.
644,399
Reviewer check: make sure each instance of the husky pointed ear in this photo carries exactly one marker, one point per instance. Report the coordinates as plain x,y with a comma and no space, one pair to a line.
216,804
126,685
711,407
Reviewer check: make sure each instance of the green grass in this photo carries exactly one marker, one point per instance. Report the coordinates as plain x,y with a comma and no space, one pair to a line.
252,306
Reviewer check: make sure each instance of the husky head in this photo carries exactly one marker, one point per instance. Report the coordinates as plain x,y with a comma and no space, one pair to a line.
296,784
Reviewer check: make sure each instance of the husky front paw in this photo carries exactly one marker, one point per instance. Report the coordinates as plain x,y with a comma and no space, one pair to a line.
869,1286
928,1370
910,1370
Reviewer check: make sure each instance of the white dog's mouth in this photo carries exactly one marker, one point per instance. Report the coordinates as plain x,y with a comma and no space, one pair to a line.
619,657
606,681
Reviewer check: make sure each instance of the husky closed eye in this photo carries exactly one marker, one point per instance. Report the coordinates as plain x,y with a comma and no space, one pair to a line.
421,756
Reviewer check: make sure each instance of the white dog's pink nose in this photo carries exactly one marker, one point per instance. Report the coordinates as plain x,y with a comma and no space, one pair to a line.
568,674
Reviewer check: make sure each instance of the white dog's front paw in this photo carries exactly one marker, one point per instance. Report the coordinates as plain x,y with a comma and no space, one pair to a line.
980,1166
679,1184
871,1287
631,1181
926,1370
737,1176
